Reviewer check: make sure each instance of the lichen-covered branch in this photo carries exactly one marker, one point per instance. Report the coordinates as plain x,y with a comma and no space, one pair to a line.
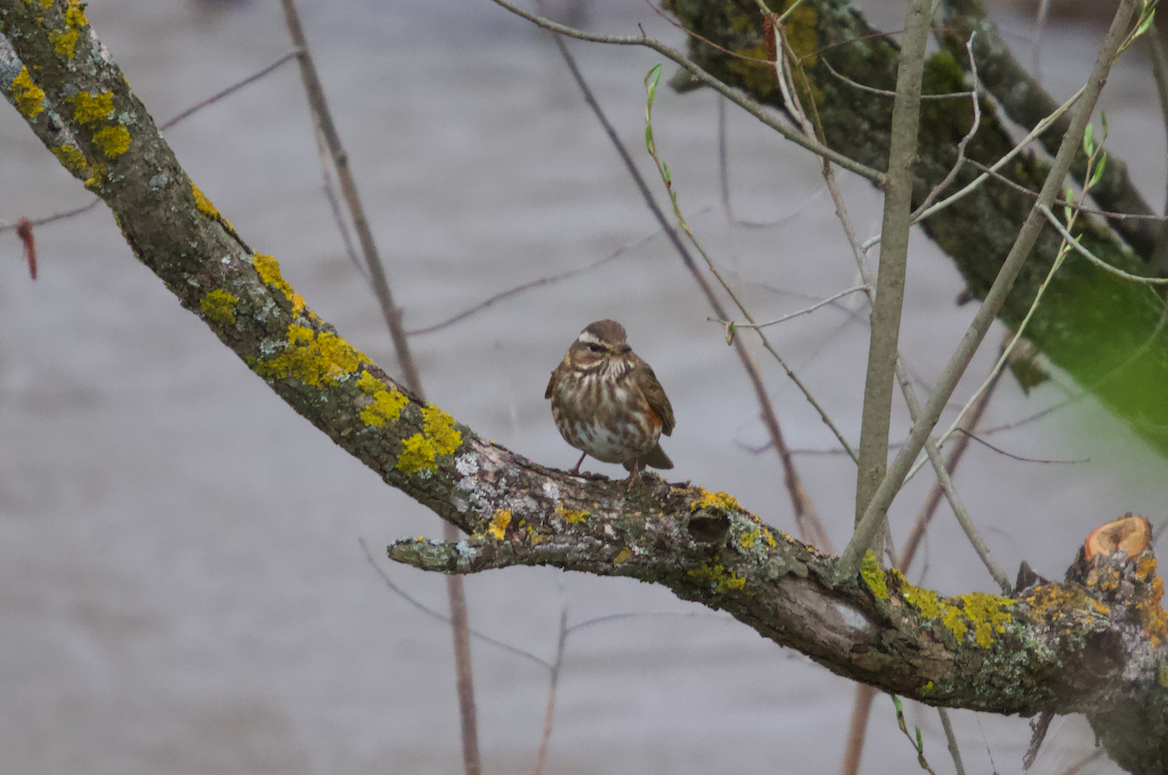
1108,333
1093,644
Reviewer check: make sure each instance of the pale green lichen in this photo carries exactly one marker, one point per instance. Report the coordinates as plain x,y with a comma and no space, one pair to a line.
873,576
219,306
29,97
312,357
113,140
89,108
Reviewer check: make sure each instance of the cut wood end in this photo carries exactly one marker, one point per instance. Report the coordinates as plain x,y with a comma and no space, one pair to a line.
1132,534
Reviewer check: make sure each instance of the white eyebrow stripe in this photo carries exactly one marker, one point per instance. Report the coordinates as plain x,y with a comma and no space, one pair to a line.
587,337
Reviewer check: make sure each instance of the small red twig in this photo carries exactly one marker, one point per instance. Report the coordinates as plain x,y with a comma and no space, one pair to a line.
24,231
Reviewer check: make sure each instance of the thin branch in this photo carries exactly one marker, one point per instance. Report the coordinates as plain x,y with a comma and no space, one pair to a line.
887,306
872,522
540,282
553,684
956,168
734,95
1087,254
731,326
1160,74
951,740
1017,149
231,89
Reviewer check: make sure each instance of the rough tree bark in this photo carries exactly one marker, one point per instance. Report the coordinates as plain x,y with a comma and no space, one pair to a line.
1094,644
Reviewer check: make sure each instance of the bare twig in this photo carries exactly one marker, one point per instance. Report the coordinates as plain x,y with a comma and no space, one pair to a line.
553,684
887,306
956,168
1087,254
734,95
1160,74
951,740
231,89
460,630
731,326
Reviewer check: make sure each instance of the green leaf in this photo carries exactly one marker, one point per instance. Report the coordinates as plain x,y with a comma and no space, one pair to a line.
1089,140
1146,22
1097,172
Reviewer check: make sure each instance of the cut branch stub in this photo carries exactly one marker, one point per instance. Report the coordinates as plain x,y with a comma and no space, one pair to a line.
1128,706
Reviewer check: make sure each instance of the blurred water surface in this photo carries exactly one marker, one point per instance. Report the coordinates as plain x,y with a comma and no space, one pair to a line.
181,584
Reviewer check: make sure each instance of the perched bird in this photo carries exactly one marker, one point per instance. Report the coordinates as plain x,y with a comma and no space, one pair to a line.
608,403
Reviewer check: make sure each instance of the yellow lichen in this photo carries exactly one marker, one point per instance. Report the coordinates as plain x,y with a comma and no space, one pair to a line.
218,305
97,175
1162,676
718,577
770,539
89,108
499,522
873,576
70,157
624,554
717,499
203,205
748,538
987,613
924,600
64,43
27,95
573,516
440,427
439,437
74,17
113,140
311,357
387,404
269,270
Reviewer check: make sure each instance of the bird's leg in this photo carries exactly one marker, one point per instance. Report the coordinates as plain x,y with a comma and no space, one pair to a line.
576,468
633,474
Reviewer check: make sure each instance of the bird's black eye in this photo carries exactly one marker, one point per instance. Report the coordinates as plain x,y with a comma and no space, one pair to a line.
595,348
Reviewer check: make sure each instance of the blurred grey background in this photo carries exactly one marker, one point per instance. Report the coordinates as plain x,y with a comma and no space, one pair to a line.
181,585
